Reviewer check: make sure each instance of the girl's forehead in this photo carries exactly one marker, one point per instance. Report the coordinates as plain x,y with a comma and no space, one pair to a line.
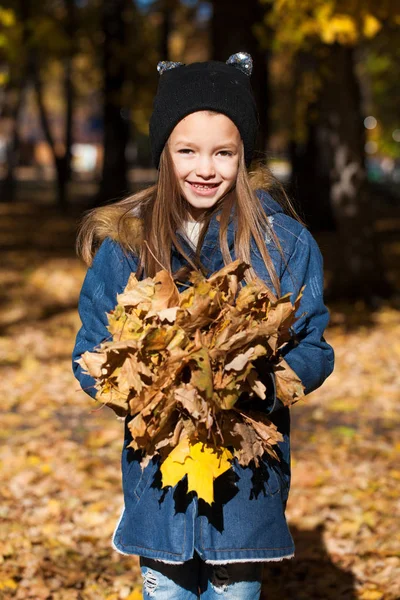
204,122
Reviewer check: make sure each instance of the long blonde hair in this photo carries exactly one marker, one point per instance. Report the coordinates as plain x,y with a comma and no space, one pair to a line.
163,211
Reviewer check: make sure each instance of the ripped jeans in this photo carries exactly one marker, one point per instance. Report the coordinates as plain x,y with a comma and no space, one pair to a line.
196,579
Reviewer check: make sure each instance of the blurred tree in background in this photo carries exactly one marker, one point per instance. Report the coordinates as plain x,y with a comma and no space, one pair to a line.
233,29
379,68
116,17
12,85
323,41
39,35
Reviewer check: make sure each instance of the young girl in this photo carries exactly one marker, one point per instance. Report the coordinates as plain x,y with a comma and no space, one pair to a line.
205,211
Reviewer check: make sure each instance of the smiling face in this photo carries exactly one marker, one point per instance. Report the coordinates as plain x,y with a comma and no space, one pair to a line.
205,149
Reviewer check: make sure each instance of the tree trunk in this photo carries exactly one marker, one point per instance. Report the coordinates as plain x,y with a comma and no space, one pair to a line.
62,162
116,125
232,30
69,87
334,177
311,178
8,185
167,11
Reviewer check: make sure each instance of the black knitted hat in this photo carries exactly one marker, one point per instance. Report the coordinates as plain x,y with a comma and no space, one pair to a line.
221,87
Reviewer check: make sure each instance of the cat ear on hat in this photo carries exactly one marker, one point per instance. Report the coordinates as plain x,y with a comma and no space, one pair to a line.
167,65
242,61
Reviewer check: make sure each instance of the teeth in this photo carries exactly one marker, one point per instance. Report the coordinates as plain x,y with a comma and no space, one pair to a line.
203,187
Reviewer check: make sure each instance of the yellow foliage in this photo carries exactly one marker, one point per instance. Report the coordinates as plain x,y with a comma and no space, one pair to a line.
339,28
371,26
3,77
330,21
201,463
7,17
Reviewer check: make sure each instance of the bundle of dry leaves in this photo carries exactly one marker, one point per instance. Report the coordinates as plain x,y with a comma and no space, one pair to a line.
180,362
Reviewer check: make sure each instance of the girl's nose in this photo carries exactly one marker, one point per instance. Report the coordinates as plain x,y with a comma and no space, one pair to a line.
205,167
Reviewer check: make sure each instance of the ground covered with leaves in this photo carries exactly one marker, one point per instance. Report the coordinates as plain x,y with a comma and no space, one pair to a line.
60,453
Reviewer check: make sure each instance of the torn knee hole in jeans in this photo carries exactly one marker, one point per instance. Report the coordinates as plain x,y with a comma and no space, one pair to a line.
220,579
149,582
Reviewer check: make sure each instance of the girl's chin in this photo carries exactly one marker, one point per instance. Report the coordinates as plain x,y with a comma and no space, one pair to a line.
198,206
201,200
201,205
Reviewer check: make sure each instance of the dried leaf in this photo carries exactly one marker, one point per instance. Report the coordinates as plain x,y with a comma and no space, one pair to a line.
264,428
92,363
158,338
137,294
242,438
240,361
129,376
256,385
168,314
201,373
289,388
110,395
166,293
194,404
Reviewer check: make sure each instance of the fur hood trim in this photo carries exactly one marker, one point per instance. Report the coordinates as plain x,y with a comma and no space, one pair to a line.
113,222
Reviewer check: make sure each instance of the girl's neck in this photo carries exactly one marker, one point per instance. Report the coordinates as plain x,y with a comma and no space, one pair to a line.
194,214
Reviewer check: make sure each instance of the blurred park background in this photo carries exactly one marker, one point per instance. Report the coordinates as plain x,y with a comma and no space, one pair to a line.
77,79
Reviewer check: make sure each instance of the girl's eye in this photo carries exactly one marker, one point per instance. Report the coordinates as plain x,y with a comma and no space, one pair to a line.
225,153
185,151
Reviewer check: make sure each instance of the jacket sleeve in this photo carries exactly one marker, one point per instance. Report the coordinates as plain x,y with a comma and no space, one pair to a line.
308,354
106,278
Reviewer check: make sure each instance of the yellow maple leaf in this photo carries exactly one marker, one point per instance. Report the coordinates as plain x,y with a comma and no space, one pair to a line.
202,463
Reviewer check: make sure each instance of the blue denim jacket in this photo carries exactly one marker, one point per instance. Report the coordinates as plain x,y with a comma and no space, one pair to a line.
247,520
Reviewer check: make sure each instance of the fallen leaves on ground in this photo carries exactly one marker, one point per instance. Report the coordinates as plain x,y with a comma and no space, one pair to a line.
61,490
